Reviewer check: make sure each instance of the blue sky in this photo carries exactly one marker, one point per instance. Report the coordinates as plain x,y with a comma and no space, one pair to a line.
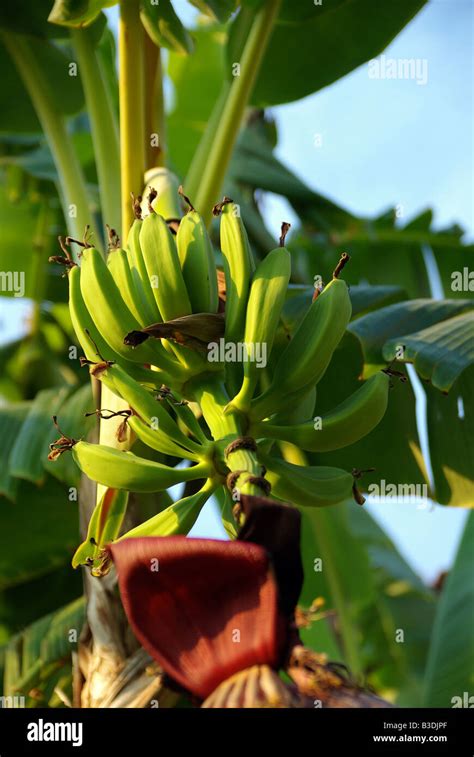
389,142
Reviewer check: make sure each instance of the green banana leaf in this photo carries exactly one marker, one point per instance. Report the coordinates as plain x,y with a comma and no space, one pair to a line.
373,593
394,324
24,603
76,13
28,452
39,163
165,28
19,222
24,17
12,417
220,10
39,656
450,421
16,111
441,352
450,666
345,585
27,458
74,424
402,602
42,528
314,45
456,266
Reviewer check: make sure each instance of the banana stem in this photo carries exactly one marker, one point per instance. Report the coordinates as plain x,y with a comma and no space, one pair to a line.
132,110
132,161
204,188
160,115
38,272
154,105
212,399
319,516
72,186
104,125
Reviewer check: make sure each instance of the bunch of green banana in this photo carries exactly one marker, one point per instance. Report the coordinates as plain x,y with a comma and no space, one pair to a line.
144,317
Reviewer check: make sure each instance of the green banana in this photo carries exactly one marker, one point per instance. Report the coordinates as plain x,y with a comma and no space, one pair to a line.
239,267
178,518
158,440
187,418
353,419
267,295
151,313
124,470
111,315
149,409
163,268
311,486
104,526
197,262
300,407
308,354
226,504
82,322
118,265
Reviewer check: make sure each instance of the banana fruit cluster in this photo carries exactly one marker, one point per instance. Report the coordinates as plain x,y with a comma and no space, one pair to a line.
146,317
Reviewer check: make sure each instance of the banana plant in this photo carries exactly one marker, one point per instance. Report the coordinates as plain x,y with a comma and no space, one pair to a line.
210,360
